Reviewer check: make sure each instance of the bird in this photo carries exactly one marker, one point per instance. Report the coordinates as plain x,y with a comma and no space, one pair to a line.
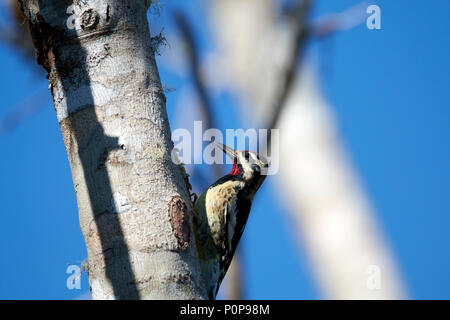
221,213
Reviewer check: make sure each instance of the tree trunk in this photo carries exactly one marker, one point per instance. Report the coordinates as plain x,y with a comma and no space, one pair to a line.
134,206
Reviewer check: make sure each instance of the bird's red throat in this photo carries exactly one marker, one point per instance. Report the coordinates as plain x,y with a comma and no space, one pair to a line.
235,170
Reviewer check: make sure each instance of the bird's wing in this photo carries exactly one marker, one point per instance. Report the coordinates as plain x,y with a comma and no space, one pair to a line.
236,215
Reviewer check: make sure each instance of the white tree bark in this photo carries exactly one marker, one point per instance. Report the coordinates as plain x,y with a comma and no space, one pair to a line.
134,206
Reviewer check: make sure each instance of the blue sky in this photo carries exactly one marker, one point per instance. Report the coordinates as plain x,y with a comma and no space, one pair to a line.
391,98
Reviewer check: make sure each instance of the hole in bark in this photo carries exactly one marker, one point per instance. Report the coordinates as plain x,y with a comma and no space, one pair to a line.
89,19
108,13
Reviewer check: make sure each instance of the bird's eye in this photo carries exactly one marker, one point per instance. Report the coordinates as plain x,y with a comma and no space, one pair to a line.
247,155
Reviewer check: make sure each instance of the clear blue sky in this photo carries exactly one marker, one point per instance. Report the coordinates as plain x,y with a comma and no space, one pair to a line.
390,89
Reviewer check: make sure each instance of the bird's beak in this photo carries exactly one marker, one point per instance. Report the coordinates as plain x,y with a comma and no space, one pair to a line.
228,151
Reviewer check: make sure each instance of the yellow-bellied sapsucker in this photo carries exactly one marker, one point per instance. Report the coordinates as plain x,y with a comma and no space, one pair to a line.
221,212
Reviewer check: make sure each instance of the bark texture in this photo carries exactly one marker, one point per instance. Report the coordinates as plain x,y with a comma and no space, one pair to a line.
134,207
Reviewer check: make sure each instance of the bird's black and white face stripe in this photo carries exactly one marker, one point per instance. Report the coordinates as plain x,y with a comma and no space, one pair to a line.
253,165
250,165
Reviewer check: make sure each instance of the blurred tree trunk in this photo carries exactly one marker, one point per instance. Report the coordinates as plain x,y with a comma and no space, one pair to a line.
134,205
234,279
331,214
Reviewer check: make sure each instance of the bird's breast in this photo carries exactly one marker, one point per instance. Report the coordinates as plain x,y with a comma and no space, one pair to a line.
221,210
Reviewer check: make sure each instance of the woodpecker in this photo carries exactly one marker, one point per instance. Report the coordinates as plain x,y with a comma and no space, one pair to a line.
221,212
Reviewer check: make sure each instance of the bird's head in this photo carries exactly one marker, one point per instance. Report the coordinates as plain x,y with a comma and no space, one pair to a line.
252,166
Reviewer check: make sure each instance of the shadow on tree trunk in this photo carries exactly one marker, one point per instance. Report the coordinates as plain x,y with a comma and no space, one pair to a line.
93,149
